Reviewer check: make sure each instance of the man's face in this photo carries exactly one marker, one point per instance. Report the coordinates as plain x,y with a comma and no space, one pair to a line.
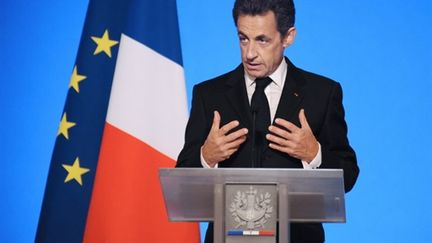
262,46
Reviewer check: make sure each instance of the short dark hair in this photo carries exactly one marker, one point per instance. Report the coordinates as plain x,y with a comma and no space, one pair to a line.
284,11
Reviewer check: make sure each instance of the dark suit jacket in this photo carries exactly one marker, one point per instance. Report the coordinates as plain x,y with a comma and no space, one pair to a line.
320,97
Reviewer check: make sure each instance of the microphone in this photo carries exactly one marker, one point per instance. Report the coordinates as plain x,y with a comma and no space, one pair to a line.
254,110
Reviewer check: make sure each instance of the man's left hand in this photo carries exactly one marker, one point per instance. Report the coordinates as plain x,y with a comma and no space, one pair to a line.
298,142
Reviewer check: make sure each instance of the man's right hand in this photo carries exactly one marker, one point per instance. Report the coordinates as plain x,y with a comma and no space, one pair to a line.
219,146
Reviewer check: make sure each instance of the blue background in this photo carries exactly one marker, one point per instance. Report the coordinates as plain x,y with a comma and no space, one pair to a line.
379,50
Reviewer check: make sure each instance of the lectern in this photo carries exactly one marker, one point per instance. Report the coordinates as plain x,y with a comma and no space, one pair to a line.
246,204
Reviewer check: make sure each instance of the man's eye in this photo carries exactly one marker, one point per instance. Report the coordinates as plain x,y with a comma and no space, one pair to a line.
262,41
242,39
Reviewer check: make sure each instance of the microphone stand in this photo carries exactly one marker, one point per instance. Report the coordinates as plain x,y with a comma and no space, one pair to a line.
254,111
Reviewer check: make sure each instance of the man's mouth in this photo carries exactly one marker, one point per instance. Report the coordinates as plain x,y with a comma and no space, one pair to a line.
252,65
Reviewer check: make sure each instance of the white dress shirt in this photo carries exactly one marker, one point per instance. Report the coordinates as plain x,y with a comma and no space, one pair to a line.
273,92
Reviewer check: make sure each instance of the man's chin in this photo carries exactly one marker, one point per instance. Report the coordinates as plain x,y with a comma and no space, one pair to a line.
255,73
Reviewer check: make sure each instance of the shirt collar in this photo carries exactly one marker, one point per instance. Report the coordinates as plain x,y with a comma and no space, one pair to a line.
278,76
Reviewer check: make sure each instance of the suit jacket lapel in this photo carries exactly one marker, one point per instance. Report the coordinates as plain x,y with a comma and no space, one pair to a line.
237,96
292,95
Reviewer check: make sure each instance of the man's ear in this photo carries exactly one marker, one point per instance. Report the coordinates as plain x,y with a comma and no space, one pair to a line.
289,37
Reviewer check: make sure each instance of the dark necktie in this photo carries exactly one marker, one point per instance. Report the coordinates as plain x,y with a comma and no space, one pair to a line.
261,112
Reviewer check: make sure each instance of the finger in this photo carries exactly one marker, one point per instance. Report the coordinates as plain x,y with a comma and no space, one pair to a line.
275,139
227,127
235,135
283,149
279,132
280,148
303,121
286,124
229,153
216,121
236,143
281,142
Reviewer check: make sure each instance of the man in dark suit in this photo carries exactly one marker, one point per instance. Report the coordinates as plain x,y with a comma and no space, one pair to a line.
267,112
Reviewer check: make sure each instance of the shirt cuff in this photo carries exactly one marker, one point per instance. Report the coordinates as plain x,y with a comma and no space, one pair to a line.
204,163
316,162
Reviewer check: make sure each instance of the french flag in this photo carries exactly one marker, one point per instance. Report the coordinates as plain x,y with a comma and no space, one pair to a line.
126,120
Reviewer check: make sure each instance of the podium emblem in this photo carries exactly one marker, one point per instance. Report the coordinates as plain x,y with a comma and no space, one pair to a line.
251,210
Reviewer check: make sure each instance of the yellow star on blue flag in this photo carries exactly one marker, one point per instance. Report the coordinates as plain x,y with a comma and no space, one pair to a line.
76,79
64,127
104,44
75,171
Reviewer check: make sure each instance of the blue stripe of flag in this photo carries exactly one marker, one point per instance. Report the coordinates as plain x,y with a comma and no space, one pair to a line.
65,205
144,26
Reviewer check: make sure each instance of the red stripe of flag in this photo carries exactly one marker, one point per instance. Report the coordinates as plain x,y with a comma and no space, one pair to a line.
127,203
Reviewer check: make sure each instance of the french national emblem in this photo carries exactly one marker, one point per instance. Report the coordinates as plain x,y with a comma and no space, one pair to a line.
250,214
251,210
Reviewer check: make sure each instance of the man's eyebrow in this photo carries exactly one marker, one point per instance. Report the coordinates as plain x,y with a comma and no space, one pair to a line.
262,37
259,37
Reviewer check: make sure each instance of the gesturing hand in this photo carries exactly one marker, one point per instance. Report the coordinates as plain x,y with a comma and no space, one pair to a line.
298,142
219,146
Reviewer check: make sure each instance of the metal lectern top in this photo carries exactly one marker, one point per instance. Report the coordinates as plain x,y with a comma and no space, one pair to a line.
313,195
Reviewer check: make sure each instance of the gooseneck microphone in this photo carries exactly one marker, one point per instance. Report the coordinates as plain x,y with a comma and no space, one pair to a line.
254,110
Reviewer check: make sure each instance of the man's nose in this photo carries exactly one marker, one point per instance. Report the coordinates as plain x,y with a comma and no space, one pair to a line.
251,51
